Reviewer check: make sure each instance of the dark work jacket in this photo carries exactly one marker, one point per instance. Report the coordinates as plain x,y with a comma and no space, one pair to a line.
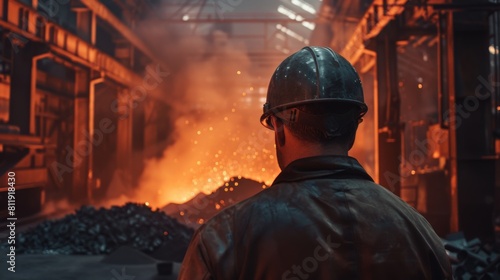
323,218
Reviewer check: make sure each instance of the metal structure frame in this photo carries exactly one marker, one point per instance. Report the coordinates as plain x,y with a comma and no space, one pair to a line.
36,38
369,47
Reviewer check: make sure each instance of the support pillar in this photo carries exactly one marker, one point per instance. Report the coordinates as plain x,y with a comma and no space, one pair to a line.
82,143
471,119
124,134
387,111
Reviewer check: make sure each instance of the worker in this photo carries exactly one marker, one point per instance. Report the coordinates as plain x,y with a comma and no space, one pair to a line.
323,217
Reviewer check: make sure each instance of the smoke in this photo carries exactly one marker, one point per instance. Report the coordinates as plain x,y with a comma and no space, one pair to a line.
57,207
216,108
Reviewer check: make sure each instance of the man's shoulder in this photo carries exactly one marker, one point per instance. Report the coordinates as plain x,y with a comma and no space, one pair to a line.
256,208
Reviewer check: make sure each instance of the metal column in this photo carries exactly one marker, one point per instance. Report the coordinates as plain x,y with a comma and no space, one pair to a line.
470,97
388,111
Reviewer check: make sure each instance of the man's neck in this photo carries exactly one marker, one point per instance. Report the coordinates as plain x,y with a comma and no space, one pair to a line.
301,149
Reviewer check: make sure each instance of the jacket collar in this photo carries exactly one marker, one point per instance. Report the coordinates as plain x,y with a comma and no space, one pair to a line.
340,167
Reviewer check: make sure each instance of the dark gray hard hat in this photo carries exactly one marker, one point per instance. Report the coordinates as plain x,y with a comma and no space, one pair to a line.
313,74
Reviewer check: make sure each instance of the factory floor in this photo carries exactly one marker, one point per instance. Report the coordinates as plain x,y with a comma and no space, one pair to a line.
125,263
73,267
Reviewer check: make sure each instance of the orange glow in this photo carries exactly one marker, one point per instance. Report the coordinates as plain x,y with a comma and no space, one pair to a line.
217,133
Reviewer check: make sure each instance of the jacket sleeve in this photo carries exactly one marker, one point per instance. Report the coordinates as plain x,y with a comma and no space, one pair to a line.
210,254
195,263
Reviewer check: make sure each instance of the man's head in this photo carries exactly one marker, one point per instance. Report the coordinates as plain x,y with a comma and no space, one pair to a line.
314,104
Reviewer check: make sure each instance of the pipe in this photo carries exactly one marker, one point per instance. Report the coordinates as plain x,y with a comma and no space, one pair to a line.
495,69
376,137
441,72
450,53
90,174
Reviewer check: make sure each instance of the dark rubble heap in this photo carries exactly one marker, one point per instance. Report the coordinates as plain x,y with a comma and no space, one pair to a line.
92,231
472,259
203,206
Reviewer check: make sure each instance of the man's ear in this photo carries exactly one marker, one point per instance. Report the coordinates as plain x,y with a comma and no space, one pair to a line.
353,138
279,130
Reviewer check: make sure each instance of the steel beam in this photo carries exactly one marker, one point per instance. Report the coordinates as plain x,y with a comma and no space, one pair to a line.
378,15
62,42
102,12
240,20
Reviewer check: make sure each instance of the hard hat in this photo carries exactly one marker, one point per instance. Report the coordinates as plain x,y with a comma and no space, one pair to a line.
311,75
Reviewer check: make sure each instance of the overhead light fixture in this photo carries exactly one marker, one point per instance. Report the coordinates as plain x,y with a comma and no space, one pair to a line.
494,49
291,33
304,6
292,15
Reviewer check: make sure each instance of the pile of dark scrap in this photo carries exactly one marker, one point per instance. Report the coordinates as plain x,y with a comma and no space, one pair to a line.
472,259
92,231
202,207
